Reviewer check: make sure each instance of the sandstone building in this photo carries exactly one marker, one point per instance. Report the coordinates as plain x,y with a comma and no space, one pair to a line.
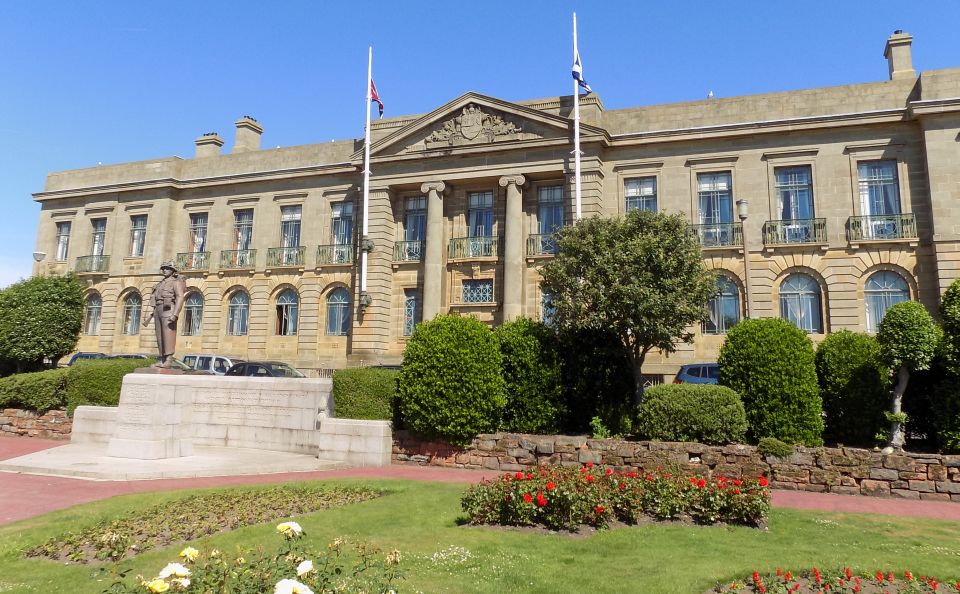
853,203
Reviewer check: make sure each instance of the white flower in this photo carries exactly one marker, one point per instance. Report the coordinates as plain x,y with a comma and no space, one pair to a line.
291,587
175,570
290,529
304,568
181,583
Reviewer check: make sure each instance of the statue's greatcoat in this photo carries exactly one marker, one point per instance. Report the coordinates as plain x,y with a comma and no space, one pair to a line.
167,301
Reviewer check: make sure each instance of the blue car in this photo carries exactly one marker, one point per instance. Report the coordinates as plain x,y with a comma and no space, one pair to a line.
698,373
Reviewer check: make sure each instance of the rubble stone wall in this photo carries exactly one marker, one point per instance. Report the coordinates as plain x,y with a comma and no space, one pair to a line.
53,424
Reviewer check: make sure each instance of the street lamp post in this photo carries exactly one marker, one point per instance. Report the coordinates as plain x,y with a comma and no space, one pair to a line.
742,213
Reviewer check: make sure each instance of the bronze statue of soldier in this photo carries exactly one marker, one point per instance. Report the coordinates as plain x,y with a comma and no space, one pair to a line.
167,301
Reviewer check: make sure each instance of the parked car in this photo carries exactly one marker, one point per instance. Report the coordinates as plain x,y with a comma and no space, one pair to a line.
83,356
129,356
698,373
263,369
218,364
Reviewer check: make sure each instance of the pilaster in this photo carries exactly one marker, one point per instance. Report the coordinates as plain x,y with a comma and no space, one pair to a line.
513,248
435,242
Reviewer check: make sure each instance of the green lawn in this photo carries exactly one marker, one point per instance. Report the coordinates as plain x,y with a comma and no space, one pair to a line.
420,519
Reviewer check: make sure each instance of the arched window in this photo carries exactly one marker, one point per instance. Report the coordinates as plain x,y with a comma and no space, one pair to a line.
800,303
131,314
287,309
338,312
193,314
91,314
883,289
723,308
238,311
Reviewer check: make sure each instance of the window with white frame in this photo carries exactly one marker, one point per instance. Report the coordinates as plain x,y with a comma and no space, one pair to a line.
132,305
238,312
290,226
882,290
288,308
794,187
715,193
477,291
193,314
411,310
243,229
99,236
63,240
801,303
338,312
341,231
723,307
640,193
138,235
415,218
547,309
91,314
480,214
549,209
198,232
879,187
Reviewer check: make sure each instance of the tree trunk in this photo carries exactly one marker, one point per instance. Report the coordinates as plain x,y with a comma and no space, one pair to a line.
897,436
637,360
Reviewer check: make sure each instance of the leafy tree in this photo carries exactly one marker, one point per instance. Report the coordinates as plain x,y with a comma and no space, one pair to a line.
909,339
40,318
950,319
853,386
641,277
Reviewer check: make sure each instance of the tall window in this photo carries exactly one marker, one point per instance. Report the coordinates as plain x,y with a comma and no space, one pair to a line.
287,311
800,303
99,236
131,314
716,198
91,314
238,311
547,309
138,235
879,189
198,232
193,314
882,291
640,194
415,219
794,192
63,241
338,312
723,307
477,291
411,310
290,226
480,214
341,230
243,229
549,209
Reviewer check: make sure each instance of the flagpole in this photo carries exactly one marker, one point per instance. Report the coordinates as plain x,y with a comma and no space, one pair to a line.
366,173
576,123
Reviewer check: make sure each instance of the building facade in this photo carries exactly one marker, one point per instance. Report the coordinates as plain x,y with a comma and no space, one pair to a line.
823,206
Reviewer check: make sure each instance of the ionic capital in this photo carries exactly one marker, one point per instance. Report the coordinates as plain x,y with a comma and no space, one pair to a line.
517,180
438,187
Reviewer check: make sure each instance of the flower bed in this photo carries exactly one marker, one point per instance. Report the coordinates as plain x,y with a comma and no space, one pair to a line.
563,498
192,517
839,581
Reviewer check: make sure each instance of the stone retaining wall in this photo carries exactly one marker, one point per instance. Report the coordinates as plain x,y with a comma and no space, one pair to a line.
848,471
53,424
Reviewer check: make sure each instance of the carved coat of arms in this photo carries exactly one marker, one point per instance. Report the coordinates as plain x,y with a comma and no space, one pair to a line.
472,125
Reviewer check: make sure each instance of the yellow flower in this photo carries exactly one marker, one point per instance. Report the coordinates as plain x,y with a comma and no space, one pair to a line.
190,554
289,529
240,561
156,585
214,553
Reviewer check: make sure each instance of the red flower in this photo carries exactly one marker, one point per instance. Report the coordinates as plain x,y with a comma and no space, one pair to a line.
589,478
543,473
529,475
737,482
736,491
648,477
890,577
527,498
622,486
779,572
518,476
756,577
541,500
599,509
908,575
507,498
609,471
848,573
789,576
693,480
796,586
589,464
701,483
878,576
763,481
551,486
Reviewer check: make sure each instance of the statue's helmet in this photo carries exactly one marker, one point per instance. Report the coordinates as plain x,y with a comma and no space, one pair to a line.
169,264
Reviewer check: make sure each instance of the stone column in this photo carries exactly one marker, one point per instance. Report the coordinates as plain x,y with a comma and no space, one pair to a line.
433,250
513,248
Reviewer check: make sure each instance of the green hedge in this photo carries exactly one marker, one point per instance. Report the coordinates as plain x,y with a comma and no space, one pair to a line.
692,412
364,393
98,381
531,369
39,391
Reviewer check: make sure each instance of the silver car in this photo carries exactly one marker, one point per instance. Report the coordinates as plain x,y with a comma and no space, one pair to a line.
217,364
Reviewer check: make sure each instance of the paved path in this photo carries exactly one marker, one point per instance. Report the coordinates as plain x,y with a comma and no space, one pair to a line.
25,496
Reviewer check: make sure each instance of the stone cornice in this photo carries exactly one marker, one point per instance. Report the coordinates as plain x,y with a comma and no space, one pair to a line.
934,106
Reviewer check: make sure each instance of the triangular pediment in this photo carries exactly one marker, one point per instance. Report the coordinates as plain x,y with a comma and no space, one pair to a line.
475,120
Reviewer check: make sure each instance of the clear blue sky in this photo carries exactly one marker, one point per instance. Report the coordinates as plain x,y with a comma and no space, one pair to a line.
111,82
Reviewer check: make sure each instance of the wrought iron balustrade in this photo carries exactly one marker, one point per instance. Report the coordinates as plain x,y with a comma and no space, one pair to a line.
882,227
193,261
279,257
339,253
718,234
232,259
463,248
795,231
407,251
92,264
541,245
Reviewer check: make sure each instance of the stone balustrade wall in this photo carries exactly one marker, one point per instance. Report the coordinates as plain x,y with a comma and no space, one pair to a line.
53,424
848,471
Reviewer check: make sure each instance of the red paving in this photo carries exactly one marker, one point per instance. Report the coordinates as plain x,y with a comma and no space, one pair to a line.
25,496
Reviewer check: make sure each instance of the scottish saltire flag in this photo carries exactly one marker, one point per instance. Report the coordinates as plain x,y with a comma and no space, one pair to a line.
578,72
375,97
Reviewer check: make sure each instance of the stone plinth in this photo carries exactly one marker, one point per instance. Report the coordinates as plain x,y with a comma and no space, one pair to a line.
153,418
93,424
357,442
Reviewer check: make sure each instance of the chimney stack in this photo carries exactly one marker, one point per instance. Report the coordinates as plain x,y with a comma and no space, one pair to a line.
897,53
248,135
208,145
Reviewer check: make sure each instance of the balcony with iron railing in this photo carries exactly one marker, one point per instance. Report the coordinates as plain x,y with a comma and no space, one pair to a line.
718,235
407,251
92,264
238,259
193,261
892,227
285,257
466,248
541,245
795,231
338,253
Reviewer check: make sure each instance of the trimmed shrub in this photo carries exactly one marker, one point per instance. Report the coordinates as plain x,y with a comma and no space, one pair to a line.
98,381
771,446
854,385
364,393
39,391
531,370
451,384
770,364
692,412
